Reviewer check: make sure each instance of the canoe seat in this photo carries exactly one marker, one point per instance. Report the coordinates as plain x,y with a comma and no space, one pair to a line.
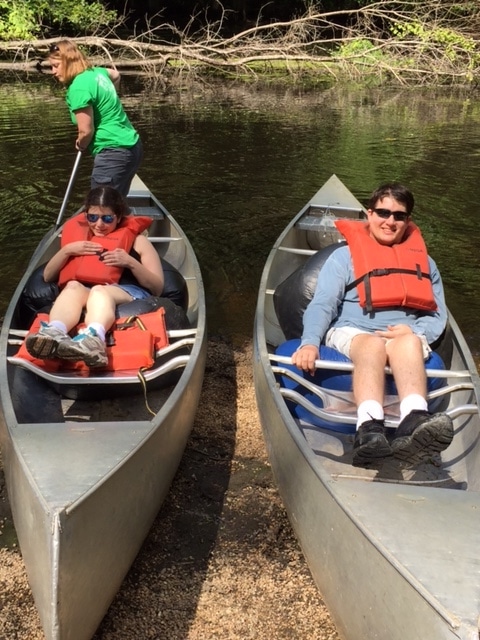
318,223
140,207
339,383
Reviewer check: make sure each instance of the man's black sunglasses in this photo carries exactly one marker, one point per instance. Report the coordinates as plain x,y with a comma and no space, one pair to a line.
398,216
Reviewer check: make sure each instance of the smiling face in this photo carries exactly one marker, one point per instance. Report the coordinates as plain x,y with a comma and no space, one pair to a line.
101,220
387,231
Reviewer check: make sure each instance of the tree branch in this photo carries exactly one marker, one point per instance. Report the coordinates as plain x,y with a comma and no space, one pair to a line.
431,44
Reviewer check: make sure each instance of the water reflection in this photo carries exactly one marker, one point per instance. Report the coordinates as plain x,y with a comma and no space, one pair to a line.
234,165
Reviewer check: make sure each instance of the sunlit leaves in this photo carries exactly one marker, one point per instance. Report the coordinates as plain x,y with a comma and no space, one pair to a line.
27,19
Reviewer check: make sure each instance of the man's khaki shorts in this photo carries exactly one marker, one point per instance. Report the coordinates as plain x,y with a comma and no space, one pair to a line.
341,339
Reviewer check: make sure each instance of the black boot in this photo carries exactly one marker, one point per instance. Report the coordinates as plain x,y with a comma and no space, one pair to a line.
420,435
370,443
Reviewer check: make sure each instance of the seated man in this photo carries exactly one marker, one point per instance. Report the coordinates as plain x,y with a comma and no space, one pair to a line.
379,301
104,261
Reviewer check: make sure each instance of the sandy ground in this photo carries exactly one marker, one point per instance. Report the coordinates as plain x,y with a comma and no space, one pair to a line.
221,561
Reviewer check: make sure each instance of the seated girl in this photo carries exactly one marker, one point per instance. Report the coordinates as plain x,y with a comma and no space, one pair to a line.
104,261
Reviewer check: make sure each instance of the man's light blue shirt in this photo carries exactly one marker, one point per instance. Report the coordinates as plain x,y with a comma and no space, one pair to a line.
332,307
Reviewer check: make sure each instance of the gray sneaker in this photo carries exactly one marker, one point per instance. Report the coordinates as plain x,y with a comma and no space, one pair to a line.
87,346
45,343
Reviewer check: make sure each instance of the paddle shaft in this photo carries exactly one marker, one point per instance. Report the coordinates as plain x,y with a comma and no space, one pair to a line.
69,189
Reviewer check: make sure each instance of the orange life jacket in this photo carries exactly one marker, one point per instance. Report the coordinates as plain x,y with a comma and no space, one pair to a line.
91,269
131,344
389,276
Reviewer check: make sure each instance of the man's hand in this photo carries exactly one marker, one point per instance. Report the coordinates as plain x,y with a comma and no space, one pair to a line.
394,331
304,358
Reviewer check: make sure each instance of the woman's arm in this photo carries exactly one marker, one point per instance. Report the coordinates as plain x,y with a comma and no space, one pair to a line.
147,271
114,76
85,126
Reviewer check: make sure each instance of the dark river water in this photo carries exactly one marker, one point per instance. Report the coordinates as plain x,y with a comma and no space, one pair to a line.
233,165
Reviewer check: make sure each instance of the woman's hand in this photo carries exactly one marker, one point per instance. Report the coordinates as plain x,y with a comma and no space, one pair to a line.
85,126
77,248
80,145
304,358
117,258
82,248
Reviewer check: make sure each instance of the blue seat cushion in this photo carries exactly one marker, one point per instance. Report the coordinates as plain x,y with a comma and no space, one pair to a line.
339,381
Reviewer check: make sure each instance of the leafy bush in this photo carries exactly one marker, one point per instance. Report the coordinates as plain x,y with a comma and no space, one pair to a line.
452,42
26,19
361,49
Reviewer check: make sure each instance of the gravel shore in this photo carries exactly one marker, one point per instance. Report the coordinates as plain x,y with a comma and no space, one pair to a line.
221,561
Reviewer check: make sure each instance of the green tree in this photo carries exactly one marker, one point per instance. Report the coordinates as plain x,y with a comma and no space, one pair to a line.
26,19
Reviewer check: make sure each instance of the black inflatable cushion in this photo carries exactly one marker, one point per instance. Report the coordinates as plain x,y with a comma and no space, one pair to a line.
174,287
175,316
292,296
38,296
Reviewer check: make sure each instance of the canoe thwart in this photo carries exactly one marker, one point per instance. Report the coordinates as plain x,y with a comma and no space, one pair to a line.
125,377
348,366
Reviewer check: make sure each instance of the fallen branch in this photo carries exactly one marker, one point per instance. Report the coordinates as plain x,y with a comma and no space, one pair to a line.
430,45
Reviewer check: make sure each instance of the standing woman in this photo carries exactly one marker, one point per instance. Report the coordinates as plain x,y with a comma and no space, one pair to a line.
103,126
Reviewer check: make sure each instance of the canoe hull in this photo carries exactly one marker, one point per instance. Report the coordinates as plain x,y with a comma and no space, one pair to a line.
367,595
89,546
394,555
86,478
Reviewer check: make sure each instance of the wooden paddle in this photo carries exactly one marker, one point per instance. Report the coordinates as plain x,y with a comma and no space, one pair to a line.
69,189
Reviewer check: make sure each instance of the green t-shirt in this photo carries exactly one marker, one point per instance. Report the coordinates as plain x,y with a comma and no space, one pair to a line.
94,88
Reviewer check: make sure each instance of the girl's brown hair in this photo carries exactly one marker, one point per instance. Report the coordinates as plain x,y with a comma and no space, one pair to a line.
107,197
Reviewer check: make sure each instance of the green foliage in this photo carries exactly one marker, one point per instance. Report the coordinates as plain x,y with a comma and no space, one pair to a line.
450,40
16,20
83,15
361,49
26,19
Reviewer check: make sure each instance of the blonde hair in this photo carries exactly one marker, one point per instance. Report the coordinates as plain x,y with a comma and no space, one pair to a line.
74,61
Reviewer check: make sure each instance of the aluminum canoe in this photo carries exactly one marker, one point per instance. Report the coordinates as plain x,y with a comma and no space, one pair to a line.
86,478
395,552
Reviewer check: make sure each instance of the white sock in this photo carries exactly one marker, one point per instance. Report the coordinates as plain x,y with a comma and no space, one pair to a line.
99,329
57,324
413,402
369,410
